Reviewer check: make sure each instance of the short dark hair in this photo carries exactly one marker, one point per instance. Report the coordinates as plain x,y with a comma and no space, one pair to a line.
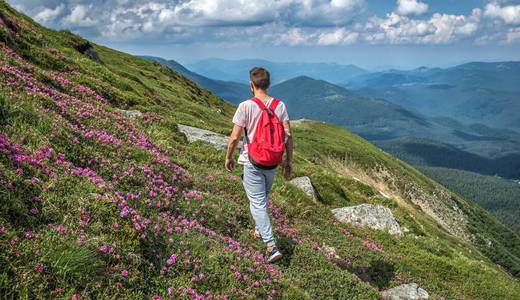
260,77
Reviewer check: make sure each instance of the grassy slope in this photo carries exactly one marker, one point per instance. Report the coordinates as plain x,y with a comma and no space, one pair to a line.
112,195
233,92
497,195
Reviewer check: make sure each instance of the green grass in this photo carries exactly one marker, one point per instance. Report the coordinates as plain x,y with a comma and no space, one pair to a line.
112,196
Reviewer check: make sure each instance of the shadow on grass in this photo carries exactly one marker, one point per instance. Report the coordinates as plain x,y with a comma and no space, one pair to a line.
286,246
379,273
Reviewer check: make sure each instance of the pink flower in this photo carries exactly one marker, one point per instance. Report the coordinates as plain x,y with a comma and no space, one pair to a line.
201,275
2,229
76,296
34,211
39,268
256,284
124,273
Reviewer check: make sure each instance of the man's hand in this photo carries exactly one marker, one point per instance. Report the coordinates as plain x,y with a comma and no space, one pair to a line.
230,164
234,138
287,169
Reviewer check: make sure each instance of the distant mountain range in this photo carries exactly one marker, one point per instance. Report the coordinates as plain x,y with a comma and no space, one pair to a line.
238,70
487,93
231,91
395,126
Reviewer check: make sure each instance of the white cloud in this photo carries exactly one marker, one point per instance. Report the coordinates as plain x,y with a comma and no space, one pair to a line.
439,29
79,16
513,35
48,15
339,36
510,13
278,22
411,7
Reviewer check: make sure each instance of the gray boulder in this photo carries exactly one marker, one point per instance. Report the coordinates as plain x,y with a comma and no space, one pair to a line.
89,51
368,215
405,292
304,183
217,140
331,251
130,113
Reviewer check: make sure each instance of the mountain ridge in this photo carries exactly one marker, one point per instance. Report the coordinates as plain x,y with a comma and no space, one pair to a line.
233,92
379,119
238,70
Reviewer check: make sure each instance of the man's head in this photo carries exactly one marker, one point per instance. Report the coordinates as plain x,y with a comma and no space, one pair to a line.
260,79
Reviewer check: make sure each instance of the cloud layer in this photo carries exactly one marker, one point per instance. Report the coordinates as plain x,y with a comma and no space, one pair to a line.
277,22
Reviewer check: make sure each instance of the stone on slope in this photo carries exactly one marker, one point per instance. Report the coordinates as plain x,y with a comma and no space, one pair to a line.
368,215
330,251
130,113
217,140
88,50
304,183
405,292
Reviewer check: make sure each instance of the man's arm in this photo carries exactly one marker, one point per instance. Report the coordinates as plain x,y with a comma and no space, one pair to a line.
289,151
234,139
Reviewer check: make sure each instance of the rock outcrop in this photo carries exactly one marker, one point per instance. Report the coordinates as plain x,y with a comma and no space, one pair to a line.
368,215
130,113
405,292
304,183
89,51
217,140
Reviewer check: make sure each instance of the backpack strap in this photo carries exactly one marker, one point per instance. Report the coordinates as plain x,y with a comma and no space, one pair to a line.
274,104
259,103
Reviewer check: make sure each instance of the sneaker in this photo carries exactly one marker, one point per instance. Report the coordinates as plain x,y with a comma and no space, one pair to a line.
273,254
257,236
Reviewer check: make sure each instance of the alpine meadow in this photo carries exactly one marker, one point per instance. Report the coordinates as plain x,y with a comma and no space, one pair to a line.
102,195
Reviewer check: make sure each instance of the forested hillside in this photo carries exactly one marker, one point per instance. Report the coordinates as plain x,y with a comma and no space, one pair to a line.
498,195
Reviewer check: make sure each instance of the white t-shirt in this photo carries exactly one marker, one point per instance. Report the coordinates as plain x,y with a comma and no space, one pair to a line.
247,115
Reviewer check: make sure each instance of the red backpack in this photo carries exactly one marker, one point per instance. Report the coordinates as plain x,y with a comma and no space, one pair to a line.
266,149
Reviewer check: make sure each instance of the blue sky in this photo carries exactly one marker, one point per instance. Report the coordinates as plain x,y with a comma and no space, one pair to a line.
370,33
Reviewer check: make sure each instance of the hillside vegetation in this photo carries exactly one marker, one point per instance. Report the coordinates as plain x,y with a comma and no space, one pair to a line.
233,92
426,152
498,195
98,204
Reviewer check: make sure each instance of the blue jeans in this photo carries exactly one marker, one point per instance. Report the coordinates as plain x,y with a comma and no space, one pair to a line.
258,183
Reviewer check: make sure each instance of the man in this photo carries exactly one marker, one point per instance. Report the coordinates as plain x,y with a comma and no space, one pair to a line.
257,180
